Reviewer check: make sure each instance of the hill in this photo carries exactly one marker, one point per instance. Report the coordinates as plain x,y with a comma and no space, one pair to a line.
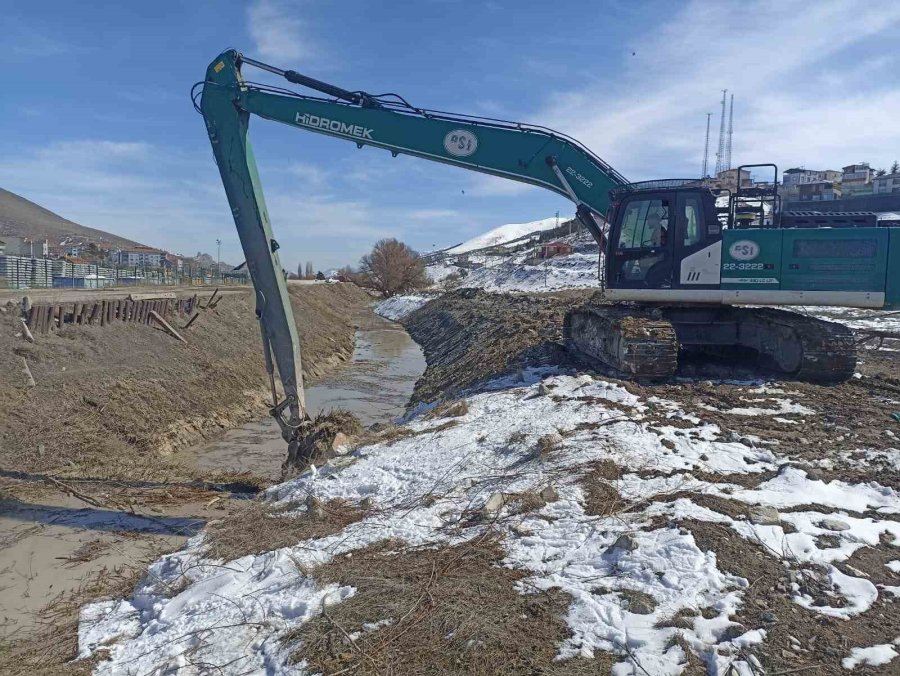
23,218
506,233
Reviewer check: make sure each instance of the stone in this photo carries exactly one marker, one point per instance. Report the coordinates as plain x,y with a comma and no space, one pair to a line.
314,508
543,390
763,515
341,443
521,531
813,474
549,494
624,542
834,524
768,617
493,505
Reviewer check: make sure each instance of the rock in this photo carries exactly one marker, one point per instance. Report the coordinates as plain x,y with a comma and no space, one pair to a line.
314,508
747,441
366,504
834,524
813,474
624,542
493,505
543,390
763,515
704,457
768,617
549,494
547,444
341,443
521,531
732,437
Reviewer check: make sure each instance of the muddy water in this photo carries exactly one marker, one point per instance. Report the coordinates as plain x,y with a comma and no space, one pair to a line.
50,548
375,386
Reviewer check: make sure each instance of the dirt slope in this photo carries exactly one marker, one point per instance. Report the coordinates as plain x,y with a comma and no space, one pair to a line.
24,218
115,401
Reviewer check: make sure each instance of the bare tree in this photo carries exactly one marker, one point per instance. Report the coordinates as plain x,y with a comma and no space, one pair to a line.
309,271
393,268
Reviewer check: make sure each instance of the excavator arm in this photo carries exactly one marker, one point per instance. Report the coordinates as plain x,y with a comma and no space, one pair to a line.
525,153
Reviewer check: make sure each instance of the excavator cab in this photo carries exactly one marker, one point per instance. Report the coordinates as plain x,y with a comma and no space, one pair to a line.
657,228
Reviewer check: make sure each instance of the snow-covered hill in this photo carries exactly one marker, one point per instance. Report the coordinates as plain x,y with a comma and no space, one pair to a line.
507,233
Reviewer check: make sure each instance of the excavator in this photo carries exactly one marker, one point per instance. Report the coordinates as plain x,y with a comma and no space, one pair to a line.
687,268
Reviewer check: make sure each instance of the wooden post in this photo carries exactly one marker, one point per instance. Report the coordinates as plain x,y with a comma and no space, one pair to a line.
154,316
27,332
103,313
58,316
76,313
45,318
84,314
191,321
95,311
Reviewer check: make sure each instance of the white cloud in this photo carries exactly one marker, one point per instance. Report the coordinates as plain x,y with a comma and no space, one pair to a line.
277,32
781,59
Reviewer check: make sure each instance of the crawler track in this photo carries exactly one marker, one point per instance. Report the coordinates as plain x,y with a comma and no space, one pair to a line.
638,342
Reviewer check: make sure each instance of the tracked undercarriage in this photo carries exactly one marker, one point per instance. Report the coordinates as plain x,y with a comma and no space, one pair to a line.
644,342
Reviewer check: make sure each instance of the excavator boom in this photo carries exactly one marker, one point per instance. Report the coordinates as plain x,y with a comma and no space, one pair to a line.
530,154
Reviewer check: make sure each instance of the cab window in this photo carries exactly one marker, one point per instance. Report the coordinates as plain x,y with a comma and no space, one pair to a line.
644,225
693,231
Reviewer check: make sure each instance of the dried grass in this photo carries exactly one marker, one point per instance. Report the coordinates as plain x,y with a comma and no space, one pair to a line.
53,646
256,528
451,610
448,409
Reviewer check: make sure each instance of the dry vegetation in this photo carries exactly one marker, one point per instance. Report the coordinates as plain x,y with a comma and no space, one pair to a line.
452,610
109,402
51,649
254,528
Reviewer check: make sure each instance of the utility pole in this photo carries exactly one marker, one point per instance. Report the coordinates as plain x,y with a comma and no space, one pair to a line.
720,155
219,257
730,132
705,171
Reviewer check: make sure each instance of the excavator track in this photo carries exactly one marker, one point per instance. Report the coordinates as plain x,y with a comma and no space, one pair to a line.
637,342
643,342
805,348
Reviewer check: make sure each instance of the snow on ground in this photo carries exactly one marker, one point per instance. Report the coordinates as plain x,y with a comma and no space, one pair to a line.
396,308
438,272
874,656
429,488
577,270
507,233
856,318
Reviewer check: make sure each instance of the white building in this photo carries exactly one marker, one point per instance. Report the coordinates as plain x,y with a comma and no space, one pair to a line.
139,257
885,185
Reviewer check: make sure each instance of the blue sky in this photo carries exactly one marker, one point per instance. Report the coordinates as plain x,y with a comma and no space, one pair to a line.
96,123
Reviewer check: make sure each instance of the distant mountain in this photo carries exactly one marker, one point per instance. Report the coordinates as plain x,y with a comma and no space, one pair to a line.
506,233
23,218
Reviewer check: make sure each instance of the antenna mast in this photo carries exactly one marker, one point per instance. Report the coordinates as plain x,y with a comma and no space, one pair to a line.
730,132
705,171
720,155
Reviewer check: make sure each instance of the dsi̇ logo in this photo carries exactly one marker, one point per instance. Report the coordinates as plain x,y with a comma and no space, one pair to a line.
744,250
460,143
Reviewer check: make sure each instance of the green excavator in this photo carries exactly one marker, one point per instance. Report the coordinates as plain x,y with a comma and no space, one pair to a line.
680,258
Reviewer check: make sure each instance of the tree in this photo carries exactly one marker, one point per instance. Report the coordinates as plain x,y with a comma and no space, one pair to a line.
895,167
299,271
309,271
393,268
881,172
